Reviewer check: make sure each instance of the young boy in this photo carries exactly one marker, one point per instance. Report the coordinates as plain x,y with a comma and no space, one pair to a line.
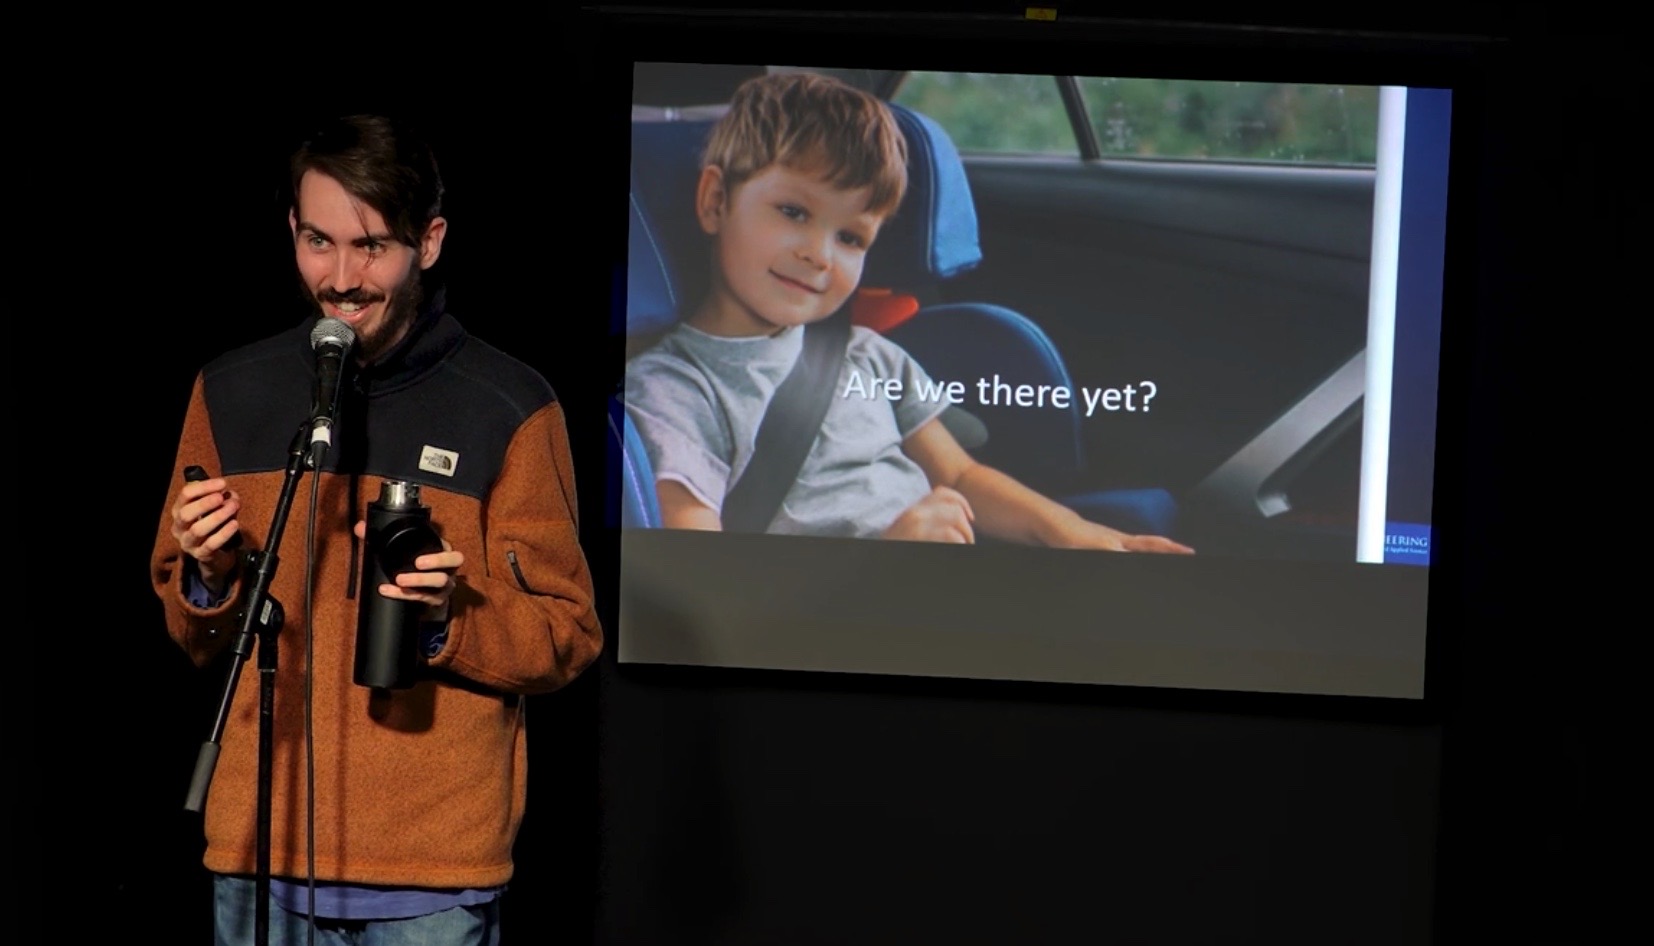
796,180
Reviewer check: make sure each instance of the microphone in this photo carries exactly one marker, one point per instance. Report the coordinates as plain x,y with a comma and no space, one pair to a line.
331,340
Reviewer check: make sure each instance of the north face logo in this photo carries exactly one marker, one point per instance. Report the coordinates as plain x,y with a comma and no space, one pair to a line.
437,460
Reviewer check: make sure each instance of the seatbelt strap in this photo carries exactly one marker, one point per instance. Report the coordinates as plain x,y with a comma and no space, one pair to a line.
789,428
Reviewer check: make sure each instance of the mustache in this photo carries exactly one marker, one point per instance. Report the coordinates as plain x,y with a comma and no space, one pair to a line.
352,297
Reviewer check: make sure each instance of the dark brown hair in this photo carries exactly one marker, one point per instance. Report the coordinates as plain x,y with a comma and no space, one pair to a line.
386,165
811,122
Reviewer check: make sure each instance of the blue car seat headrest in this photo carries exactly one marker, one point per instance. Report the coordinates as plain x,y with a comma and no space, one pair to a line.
931,237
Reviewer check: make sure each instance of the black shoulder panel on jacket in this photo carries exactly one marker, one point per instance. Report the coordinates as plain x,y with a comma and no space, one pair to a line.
451,429
447,428
257,397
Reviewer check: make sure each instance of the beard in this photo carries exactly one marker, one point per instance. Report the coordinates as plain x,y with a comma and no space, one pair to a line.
400,311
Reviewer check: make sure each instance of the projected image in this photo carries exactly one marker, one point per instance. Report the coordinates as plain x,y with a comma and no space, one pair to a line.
1145,315
797,182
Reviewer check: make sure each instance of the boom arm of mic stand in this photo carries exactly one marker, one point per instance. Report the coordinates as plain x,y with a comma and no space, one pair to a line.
262,613
263,616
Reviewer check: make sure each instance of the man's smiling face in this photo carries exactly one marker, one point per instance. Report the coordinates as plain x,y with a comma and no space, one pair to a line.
353,268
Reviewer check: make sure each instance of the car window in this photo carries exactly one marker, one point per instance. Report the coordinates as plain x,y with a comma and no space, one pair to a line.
1152,118
1186,118
986,112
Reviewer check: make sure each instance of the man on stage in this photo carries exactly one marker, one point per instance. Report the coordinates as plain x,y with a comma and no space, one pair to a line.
417,792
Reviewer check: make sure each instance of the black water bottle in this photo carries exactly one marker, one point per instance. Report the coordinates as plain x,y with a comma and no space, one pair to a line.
387,630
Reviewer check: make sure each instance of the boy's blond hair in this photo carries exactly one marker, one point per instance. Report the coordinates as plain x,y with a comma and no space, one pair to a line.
811,122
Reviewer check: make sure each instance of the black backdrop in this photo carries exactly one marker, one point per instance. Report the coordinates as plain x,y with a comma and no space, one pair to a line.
689,807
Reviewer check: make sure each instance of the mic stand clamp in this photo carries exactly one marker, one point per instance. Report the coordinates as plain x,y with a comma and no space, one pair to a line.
262,616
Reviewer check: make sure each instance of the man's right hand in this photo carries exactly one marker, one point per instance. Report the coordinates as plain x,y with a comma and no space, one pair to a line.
203,519
943,516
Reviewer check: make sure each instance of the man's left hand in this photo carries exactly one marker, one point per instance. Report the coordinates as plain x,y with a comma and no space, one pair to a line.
432,584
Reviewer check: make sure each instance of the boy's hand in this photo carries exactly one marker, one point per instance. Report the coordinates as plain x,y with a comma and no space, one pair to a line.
943,516
1090,535
1154,543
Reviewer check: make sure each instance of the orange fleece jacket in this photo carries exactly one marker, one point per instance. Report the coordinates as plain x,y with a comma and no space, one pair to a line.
414,788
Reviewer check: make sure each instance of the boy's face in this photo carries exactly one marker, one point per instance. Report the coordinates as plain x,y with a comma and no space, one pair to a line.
789,249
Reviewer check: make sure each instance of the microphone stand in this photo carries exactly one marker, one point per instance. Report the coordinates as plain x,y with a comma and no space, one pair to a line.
263,616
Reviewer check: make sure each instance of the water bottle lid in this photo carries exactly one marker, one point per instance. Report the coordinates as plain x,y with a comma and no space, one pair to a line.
399,494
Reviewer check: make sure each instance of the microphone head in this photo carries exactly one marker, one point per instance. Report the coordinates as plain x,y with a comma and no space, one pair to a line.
332,332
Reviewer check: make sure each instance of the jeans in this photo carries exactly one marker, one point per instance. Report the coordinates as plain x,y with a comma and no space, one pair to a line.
233,922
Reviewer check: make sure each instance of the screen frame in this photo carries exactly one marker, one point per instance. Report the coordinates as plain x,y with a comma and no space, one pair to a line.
1009,44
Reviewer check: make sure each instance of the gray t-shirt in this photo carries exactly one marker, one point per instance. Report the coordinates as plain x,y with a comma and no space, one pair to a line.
697,401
